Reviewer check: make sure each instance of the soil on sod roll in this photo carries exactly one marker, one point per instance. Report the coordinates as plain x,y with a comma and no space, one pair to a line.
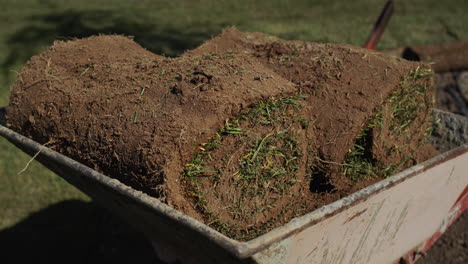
243,133
344,80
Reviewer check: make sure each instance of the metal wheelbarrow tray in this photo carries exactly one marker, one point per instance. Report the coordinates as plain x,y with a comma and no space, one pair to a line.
398,217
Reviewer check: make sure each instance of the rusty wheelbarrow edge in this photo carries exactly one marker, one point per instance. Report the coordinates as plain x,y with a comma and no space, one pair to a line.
238,249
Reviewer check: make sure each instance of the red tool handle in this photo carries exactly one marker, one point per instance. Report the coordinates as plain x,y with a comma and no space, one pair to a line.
379,26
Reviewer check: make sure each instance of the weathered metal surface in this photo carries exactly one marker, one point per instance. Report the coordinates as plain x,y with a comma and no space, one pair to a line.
375,225
384,226
420,251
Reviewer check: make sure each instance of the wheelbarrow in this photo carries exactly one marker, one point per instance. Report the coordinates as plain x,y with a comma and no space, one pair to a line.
395,219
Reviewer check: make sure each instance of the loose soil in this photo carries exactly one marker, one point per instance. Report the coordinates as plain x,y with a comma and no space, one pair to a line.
452,92
243,133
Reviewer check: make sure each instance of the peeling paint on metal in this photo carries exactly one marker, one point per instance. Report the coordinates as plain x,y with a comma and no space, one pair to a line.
356,254
450,218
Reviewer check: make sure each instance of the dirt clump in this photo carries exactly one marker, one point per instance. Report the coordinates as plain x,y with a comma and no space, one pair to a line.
367,117
343,85
244,133
112,105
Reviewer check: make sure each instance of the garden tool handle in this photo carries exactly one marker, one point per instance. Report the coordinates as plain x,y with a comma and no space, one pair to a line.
379,26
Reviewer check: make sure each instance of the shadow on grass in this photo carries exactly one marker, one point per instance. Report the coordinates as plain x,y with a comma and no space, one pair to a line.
2,116
74,232
41,31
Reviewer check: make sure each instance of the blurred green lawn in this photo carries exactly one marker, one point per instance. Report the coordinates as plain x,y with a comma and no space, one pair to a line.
170,27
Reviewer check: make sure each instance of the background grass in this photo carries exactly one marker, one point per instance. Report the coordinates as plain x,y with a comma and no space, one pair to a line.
170,27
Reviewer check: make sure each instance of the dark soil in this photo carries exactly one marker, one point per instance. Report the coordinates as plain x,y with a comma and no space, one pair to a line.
452,92
243,133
